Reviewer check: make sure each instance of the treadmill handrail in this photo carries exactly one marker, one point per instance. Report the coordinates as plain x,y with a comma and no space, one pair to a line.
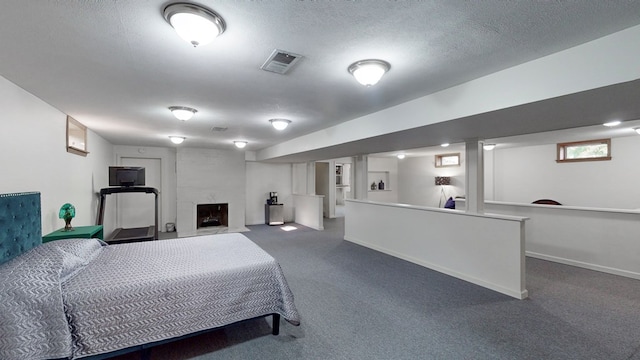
126,189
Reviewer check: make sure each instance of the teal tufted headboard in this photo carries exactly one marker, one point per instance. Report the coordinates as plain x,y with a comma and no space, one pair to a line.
20,224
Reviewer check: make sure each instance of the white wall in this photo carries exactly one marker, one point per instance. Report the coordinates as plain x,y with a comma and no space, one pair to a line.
263,178
376,165
483,249
598,239
322,186
525,174
308,210
416,181
34,158
299,179
209,176
167,158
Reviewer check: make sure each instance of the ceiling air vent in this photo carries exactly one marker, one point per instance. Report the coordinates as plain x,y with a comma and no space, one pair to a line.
280,62
218,129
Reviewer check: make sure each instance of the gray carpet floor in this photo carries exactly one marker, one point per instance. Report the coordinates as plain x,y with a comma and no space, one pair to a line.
357,303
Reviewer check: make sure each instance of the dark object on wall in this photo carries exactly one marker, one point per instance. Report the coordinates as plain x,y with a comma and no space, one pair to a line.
450,204
126,176
443,180
546,202
381,185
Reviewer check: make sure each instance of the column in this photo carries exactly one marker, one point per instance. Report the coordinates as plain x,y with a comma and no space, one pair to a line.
361,177
474,172
311,178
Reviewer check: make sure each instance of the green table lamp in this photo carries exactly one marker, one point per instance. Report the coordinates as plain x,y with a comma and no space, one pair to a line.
67,212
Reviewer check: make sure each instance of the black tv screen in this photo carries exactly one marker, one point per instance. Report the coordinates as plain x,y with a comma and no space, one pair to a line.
126,176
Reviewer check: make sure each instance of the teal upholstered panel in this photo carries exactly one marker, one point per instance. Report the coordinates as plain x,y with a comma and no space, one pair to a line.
20,224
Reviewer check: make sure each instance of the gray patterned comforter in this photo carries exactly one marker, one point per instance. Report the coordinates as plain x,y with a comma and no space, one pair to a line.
105,298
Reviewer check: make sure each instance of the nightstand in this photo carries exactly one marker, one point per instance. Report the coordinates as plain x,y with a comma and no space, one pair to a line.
79,232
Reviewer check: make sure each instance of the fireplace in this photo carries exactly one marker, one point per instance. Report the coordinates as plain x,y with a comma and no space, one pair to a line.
212,215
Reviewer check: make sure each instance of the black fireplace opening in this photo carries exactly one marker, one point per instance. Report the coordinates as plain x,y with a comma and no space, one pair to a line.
208,215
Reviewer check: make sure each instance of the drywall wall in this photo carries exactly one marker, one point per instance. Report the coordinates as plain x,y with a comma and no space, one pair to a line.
263,178
416,181
484,250
209,176
34,158
308,210
525,174
598,239
386,169
299,179
167,158
322,185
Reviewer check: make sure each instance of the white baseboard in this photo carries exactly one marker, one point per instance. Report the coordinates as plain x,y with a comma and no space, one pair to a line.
518,295
585,265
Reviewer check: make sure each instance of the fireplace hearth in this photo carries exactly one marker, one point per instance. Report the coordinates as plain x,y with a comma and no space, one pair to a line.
212,215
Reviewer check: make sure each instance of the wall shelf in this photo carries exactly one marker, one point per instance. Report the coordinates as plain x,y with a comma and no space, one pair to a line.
376,176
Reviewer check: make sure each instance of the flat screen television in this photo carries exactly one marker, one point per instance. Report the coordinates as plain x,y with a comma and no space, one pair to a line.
126,176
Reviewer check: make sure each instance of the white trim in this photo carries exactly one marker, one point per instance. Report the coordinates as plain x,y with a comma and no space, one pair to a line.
447,271
584,265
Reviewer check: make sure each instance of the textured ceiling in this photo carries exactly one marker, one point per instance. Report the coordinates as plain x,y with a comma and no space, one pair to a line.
117,65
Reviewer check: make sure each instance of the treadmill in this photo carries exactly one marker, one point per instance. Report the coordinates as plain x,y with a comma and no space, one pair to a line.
129,235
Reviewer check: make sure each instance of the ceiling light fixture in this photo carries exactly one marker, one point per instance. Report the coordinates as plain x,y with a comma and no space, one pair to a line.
369,72
193,23
240,144
489,146
280,124
612,123
444,145
177,139
401,156
182,112
637,130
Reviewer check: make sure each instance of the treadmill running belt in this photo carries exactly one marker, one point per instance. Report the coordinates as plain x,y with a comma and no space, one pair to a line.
120,235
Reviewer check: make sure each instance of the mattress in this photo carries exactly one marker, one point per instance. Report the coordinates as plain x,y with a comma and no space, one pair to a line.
118,296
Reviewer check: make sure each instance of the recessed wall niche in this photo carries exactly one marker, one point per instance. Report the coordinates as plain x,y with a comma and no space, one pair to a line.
76,137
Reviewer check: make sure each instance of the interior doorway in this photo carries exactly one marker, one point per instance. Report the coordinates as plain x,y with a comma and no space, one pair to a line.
138,209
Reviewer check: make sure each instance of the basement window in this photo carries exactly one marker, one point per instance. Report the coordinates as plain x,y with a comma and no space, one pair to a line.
444,160
589,150
76,137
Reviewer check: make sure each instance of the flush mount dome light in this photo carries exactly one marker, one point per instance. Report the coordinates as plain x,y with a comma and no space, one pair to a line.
489,146
369,72
401,156
612,123
177,139
195,24
280,124
182,112
240,144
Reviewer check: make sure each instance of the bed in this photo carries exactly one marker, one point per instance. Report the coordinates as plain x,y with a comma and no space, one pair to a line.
78,298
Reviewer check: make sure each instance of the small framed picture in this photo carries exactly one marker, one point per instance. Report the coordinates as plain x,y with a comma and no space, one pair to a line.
444,160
